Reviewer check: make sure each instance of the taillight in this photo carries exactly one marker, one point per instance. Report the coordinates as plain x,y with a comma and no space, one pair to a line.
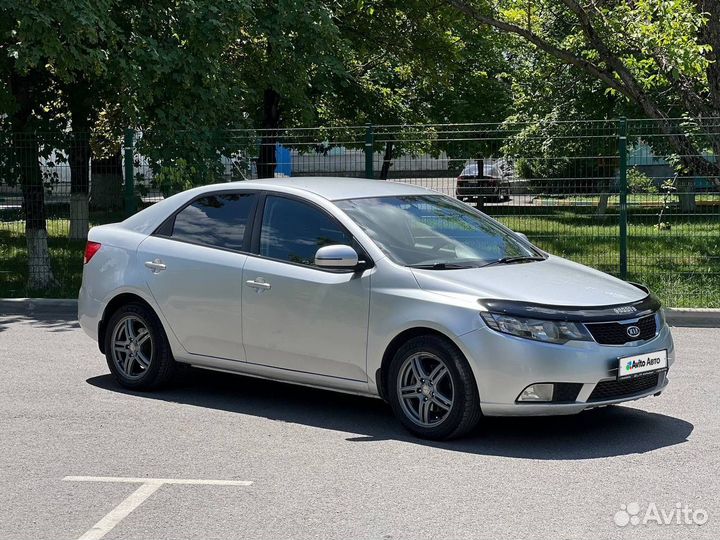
91,248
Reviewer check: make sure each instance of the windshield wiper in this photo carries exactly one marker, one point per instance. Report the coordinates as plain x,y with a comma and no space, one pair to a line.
513,260
443,266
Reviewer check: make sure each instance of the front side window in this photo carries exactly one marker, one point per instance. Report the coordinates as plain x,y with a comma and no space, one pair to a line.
434,230
217,220
293,231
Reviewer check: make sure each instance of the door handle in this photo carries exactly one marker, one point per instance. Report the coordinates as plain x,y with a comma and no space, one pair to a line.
259,284
156,266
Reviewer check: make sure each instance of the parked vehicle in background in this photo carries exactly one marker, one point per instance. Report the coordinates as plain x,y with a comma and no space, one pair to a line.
484,180
374,288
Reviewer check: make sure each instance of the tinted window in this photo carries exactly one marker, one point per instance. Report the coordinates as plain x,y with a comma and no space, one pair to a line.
218,220
293,231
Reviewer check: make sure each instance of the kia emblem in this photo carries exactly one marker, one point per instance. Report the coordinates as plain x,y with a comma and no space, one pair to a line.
633,331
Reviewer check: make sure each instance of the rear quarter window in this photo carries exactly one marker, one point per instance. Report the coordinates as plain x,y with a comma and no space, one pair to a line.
218,220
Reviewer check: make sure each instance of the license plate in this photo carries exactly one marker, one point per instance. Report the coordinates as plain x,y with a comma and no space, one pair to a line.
642,363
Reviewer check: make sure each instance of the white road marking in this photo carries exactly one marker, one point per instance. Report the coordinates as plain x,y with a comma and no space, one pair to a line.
128,480
120,512
148,487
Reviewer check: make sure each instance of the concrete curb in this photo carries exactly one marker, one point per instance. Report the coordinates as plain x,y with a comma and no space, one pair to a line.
697,317
694,317
38,306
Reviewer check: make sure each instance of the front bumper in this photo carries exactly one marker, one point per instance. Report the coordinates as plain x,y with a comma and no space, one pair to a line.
476,188
505,365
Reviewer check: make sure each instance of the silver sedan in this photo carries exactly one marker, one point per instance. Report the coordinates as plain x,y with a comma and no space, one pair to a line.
372,288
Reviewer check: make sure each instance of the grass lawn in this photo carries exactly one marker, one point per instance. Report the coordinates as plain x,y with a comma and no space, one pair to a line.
681,264
66,257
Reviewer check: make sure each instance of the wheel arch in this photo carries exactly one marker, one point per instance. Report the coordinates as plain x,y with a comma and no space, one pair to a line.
394,346
112,306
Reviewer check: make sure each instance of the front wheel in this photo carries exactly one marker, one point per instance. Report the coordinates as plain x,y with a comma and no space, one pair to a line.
136,348
432,390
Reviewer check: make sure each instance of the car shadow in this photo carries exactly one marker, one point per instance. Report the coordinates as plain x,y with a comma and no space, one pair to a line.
605,432
52,322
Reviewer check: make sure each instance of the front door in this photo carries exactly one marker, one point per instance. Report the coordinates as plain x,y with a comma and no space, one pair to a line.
297,316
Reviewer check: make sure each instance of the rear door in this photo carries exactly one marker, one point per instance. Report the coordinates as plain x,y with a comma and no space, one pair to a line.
193,266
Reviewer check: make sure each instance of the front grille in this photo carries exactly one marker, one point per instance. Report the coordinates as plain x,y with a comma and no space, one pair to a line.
605,390
564,392
615,333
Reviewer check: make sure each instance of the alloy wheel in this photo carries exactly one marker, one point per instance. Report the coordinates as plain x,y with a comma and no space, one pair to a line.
132,347
425,389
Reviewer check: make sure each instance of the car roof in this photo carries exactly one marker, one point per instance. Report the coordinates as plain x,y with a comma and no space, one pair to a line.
327,187
333,188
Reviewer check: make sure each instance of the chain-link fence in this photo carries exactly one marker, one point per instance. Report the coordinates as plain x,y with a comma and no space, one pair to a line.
639,199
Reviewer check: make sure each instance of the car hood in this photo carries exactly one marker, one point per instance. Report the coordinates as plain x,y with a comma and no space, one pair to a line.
554,281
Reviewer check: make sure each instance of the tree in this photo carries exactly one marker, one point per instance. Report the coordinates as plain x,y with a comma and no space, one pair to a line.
152,65
289,52
349,62
79,96
32,41
406,66
180,86
660,56
25,89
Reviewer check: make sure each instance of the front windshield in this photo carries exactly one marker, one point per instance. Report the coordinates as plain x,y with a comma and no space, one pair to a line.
434,230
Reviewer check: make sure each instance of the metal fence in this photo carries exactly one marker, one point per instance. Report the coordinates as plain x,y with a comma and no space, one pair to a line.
639,199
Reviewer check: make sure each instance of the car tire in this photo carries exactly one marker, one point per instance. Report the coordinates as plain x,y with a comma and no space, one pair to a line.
137,350
432,390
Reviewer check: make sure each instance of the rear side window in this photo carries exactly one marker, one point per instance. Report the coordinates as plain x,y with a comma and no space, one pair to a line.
217,220
293,231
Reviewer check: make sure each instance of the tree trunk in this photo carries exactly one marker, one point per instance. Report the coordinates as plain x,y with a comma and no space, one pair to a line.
686,194
79,103
387,160
40,274
603,204
107,178
271,121
79,216
605,170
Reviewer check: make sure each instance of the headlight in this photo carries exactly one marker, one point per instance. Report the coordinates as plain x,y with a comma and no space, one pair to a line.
537,329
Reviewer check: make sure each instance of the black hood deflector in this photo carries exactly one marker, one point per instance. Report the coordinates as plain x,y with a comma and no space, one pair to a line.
616,312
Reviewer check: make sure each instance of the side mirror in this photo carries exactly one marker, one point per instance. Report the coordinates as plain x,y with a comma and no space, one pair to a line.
522,235
336,256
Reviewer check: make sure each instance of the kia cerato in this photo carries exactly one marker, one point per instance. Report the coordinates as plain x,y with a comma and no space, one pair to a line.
368,287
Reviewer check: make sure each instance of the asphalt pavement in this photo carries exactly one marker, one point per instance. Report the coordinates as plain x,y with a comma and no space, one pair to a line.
76,453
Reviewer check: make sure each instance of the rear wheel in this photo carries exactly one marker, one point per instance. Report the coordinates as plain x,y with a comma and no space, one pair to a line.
432,390
136,348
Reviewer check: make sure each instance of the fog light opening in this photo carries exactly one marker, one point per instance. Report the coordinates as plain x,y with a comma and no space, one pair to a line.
537,392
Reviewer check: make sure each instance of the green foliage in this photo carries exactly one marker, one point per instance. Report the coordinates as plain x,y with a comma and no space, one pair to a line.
179,176
182,158
639,182
164,67
176,69
558,156
658,43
